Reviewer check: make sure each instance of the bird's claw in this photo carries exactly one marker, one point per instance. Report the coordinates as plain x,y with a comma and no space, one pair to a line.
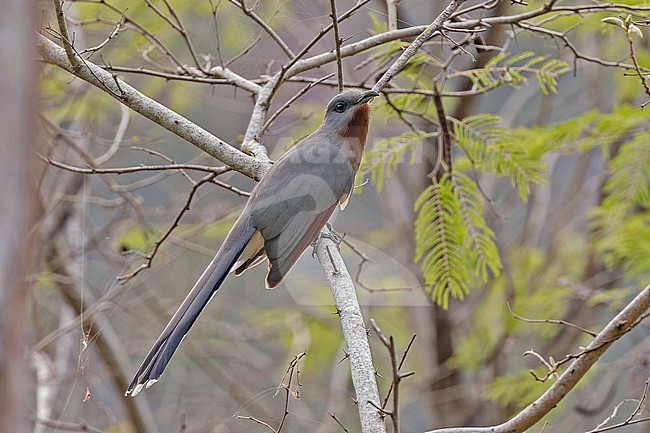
326,234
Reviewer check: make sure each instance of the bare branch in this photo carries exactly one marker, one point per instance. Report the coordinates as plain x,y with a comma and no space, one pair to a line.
155,111
288,69
354,332
179,27
553,321
551,369
293,99
431,29
245,51
260,22
65,35
156,246
389,343
116,30
165,75
337,43
535,411
216,30
117,139
136,26
124,170
235,79
602,427
391,7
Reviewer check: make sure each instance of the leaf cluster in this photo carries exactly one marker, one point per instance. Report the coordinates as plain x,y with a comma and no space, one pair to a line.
382,159
514,71
620,220
497,149
453,241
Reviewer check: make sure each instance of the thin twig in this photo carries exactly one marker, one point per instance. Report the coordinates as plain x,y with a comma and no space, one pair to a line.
551,369
444,150
338,422
602,427
139,28
214,9
175,223
289,373
552,321
292,100
244,51
259,421
286,69
293,365
643,78
185,35
389,343
260,22
112,35
337,43
621,324
59,425
134,169
430,30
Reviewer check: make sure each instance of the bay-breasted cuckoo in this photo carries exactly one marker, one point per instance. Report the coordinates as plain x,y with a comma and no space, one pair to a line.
283,216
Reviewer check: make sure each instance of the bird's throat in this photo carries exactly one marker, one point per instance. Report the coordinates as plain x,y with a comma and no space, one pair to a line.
355,133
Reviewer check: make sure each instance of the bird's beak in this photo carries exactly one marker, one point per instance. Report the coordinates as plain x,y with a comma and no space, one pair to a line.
366,96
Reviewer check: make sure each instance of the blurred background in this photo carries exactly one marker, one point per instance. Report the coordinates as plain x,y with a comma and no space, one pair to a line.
569,217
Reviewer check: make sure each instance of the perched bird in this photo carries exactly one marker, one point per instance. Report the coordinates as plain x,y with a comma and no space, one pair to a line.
283,216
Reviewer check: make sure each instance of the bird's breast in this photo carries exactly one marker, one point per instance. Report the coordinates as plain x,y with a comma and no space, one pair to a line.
354,134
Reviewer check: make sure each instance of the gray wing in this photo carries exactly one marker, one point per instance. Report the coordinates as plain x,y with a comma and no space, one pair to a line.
294,201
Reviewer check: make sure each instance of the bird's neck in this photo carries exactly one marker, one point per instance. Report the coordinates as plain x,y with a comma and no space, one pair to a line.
354,134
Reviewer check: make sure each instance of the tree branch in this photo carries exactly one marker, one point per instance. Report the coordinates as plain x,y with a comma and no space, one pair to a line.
336,273
618,326
272,33
65,36
431,29
158,113
354,332
337,44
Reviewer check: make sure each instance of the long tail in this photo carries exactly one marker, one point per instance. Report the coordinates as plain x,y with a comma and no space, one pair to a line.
165,346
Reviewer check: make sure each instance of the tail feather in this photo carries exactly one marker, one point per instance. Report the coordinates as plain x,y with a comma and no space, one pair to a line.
158,357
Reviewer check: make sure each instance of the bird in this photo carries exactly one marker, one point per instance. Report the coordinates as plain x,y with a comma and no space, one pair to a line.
284,214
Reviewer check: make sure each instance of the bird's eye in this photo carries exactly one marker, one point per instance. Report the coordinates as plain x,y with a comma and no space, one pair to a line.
340,107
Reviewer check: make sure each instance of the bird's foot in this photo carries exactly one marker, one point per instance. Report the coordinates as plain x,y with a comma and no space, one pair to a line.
328,235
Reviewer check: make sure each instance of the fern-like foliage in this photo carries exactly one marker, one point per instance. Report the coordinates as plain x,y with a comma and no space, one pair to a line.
407,101
453,242
513,71
590,130
629,185
492,147
480,245
381,160
622,220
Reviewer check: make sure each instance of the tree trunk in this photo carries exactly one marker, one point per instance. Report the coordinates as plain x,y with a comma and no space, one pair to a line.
17,205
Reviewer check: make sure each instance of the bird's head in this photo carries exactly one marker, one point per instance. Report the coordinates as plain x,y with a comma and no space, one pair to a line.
348,112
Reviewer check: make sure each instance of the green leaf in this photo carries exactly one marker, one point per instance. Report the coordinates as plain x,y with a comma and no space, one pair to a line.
514,71
585,132
517,390
453,243
382,159
629,184
622,221
498,149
